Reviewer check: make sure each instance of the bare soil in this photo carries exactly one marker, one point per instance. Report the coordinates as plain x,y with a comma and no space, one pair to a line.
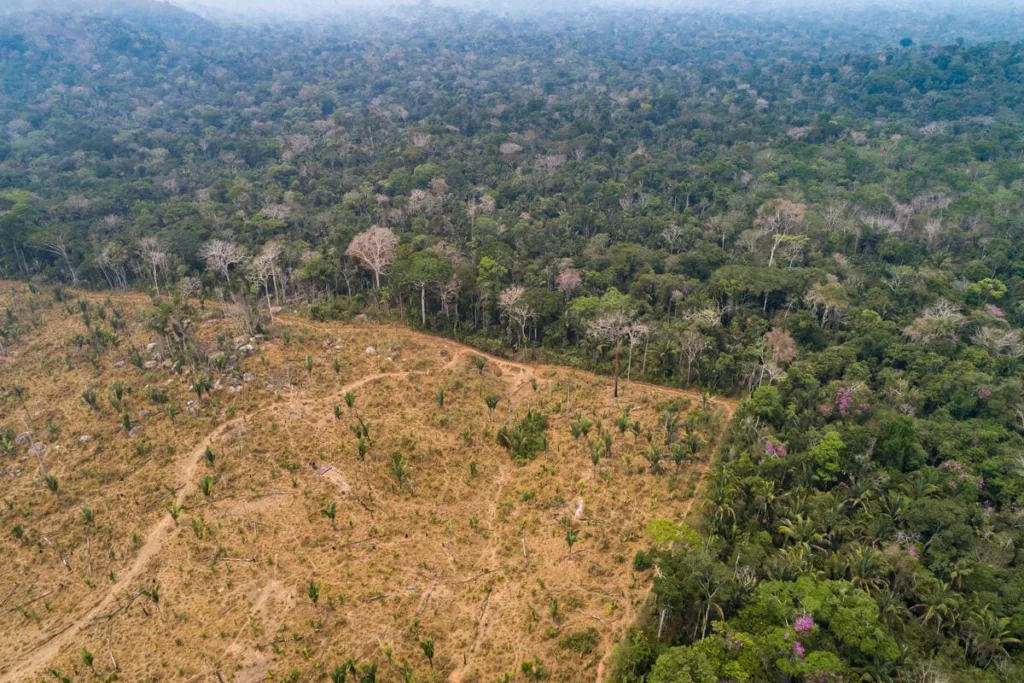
457,543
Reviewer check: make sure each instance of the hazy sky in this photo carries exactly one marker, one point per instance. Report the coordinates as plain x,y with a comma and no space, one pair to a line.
345,6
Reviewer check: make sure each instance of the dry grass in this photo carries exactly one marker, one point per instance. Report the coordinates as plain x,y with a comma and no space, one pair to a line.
467,549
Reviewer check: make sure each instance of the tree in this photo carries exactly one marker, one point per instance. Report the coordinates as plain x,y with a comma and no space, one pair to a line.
220,256
330,511
262,270
153,254
610,328
375,249
571,536
55,241
512,304
421,269
428,650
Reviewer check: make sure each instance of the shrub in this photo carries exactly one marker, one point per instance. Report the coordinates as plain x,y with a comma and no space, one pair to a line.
527,438
581,642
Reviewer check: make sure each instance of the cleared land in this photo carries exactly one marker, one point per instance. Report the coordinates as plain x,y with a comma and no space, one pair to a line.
434,535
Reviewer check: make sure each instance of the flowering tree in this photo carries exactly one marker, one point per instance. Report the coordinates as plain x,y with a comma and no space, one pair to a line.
568,281
375,249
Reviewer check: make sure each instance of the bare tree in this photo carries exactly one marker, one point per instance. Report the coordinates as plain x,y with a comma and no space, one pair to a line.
635,332
672,234
189,286
610,328
448,291
111,260
691,345
375,249
780,218
153,253
55,242
221,255
260,271
513,304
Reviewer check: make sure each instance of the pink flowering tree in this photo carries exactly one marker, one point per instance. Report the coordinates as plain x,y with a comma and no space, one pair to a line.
568,281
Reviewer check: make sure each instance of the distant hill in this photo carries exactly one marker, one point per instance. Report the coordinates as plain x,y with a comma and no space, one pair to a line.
167,20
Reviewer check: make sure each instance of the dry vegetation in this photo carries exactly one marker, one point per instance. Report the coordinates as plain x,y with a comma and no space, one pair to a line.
245,534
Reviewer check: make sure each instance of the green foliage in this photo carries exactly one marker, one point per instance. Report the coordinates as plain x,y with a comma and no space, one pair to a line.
581,642
526,438
826,456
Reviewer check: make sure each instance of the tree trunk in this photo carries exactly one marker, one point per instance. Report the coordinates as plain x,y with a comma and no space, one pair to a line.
423,304
629,363
615,391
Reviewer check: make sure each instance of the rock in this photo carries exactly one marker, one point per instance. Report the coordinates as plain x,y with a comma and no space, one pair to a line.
38,449
248,377
143,414
134,431
119,364
151,347
149,364
167,364
22,439
371,351
84,438
246,348
234,390
337,347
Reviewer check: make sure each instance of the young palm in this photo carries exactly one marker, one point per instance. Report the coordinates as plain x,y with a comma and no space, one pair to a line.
330,511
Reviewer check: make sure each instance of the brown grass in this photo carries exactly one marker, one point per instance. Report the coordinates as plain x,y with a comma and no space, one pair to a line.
470,551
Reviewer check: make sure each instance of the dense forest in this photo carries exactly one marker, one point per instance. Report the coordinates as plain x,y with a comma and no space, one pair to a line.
820,214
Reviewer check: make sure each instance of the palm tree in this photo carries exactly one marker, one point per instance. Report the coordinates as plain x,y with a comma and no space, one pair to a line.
654,455
571,536
313,591
428,650
330,511
938,604
492,402
803,531
989,635
867,568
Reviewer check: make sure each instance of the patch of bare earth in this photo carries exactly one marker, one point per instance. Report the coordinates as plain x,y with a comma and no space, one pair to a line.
437,534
